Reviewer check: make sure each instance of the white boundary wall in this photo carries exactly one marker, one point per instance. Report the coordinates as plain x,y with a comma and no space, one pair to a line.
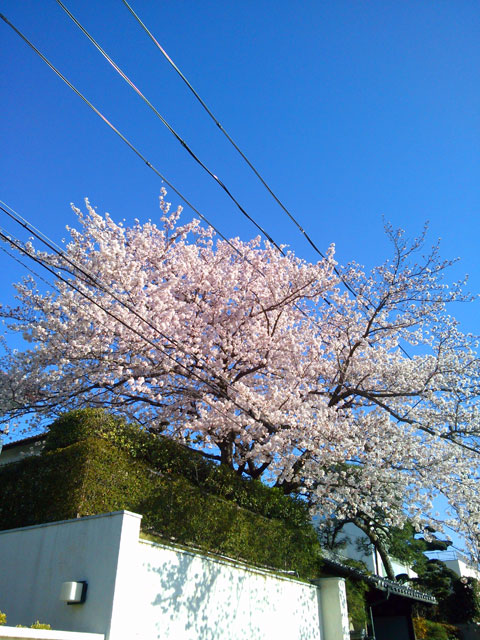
191,596
35,561
147,591
12,633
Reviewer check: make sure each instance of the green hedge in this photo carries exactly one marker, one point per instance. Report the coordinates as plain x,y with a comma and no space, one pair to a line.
430,630
168,456
42,489
86,478
357,602
96,476
184,512
463,604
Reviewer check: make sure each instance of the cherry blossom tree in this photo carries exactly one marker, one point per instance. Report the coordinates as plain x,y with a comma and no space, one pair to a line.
354,389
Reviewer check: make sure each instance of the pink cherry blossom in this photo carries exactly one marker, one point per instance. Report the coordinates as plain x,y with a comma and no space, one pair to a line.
364,403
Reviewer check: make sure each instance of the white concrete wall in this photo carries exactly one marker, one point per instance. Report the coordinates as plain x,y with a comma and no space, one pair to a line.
334,609
195,597
35,561
147,591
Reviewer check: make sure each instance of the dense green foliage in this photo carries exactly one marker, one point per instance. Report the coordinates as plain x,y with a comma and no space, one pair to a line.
458,598
429,630
436,578
169,457
357,602
91,466
464,601
36,625
42,488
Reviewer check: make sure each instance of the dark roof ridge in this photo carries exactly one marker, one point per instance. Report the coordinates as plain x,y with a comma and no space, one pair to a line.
383,584
28,440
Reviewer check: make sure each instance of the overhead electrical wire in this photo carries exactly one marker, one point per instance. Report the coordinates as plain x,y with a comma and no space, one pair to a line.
135,150
230,139
25,266
119,134
149,164
169,127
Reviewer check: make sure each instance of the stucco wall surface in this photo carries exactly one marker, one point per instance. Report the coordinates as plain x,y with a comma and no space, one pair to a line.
147,591
195,597
35,561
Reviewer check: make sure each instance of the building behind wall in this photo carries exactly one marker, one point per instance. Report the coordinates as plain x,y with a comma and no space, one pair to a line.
355,544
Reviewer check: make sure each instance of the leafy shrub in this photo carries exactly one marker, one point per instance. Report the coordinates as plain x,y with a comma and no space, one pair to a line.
179,510
95,476
357,603
42,488
80,424
40,625
35,625
167,456
463,605
429,630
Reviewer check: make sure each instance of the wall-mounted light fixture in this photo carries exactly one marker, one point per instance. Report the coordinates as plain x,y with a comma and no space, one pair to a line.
74,592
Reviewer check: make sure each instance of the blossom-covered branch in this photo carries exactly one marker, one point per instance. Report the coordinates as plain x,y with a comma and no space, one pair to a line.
362,402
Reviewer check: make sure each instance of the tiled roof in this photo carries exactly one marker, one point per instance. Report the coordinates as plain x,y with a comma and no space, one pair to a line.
382,584
29,440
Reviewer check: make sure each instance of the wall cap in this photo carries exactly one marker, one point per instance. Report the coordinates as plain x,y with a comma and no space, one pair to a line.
17,633
72,520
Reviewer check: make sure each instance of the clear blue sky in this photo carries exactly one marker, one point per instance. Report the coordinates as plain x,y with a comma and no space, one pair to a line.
351,110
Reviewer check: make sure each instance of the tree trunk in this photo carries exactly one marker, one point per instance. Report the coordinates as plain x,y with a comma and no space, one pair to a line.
379,545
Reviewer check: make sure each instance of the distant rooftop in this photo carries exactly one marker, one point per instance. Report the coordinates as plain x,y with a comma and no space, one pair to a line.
382,584
29,440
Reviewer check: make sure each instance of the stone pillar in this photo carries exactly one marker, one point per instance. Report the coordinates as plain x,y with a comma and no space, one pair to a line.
333,608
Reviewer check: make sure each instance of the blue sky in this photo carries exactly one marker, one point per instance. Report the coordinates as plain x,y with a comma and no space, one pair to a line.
350,110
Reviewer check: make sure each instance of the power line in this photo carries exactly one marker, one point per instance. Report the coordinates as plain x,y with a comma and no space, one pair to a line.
169,127
230,139
119,134
24,265
142,157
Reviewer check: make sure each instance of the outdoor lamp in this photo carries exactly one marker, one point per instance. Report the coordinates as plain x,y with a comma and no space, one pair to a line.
74,592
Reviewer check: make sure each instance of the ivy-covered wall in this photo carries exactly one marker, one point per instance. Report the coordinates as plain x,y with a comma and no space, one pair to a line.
180,495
